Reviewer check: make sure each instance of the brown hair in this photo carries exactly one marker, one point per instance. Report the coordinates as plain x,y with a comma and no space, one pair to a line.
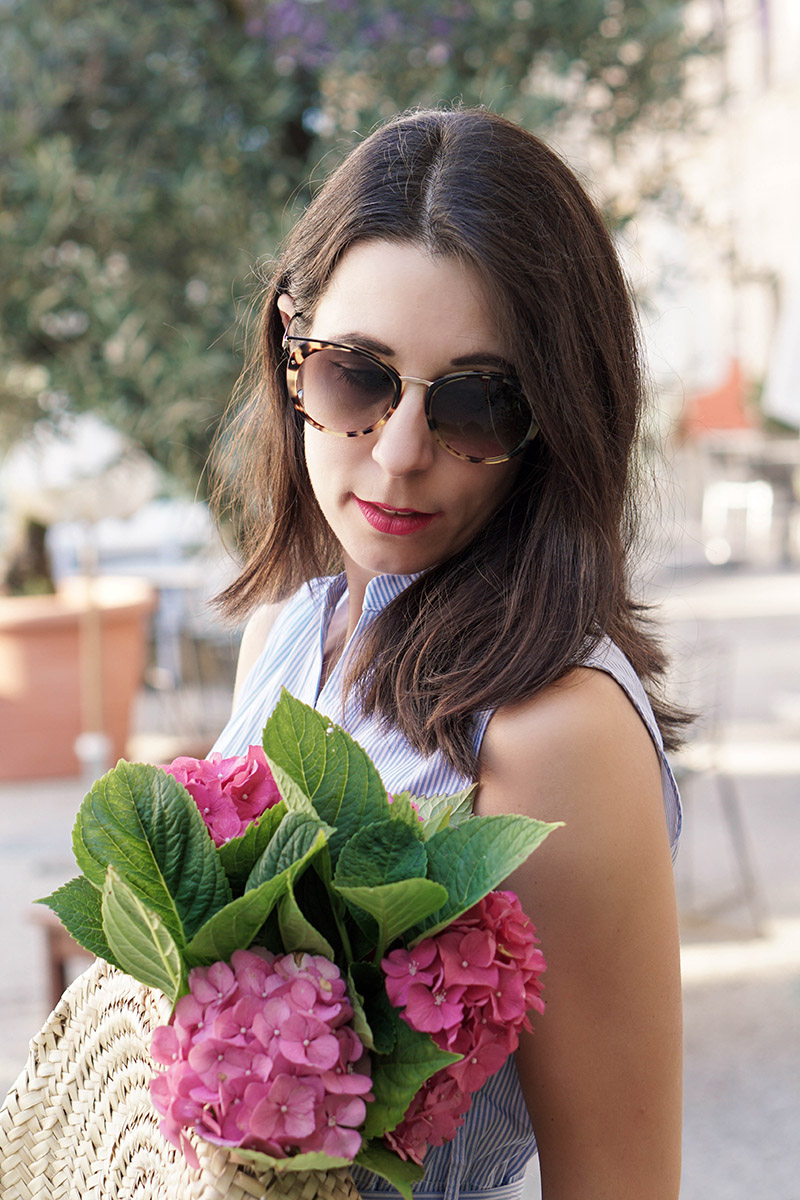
526,600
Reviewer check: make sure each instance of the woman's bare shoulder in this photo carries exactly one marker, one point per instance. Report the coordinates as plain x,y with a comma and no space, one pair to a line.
578,737
601,1075
254,638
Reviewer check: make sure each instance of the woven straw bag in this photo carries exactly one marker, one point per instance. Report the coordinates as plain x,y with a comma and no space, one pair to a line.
79,1123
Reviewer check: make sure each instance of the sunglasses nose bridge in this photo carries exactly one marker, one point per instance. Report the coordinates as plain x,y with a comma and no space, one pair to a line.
404,380
426,383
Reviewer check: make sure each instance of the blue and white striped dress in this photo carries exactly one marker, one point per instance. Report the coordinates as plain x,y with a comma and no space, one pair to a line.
489,1154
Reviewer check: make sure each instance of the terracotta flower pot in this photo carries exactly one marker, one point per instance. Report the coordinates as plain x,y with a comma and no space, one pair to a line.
68,663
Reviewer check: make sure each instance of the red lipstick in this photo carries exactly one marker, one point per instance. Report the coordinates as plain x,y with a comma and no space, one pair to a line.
397,521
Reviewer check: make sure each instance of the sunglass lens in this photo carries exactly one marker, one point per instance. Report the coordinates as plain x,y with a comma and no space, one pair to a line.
481,417
344,391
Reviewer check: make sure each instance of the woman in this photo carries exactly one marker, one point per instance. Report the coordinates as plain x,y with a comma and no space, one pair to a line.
451,306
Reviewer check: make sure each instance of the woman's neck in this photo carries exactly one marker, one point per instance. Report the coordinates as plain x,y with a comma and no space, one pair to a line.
357,580
336,639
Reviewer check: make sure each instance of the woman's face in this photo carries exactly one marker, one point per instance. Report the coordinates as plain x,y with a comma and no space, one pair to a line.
397,500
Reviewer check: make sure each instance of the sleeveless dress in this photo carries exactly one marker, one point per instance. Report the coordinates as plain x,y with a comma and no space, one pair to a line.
489,1155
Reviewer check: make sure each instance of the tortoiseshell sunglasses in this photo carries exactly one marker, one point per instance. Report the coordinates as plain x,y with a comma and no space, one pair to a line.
480,416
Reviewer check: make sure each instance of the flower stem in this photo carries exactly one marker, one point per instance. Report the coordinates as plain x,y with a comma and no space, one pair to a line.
338,910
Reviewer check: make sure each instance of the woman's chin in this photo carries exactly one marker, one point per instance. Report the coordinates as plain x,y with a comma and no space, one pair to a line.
368,566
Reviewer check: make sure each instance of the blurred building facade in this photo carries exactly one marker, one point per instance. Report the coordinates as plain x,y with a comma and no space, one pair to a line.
728,262
710,232
708,214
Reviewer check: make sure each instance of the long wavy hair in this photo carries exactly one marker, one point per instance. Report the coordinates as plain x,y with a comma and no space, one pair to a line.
546,577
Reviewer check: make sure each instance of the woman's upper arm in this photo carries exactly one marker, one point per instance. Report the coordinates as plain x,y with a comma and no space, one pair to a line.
602,1071
253,641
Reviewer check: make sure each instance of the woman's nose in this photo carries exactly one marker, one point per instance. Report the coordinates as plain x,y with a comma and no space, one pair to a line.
405,443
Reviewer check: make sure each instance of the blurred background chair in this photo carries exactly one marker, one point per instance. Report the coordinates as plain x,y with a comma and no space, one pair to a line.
703,680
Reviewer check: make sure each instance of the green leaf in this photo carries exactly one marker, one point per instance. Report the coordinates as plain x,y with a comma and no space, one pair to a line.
240,855
438,812
396,906
315,896
367,933
78,905
475,858
359,1022
297,840
235,926
297,932
299,836
398,1076
293,795
139,940
402,811
311,1161
328,766
375,1015
383,852
269,935
376,1157
142,822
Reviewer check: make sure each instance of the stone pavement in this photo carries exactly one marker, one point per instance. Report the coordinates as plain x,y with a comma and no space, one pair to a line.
737,636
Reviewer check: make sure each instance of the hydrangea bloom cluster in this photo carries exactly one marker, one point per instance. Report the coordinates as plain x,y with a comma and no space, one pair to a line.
260,1055
470,987
229,792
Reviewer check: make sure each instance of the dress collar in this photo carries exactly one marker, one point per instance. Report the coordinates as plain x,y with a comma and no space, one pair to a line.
384,588
327,592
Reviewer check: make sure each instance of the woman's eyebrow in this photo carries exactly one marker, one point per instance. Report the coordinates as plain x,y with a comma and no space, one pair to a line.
480,358
363,342
485,360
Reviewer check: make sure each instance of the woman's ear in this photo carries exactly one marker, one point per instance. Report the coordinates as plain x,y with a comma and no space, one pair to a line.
286,307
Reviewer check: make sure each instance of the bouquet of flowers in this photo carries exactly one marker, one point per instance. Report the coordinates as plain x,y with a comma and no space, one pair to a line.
343,972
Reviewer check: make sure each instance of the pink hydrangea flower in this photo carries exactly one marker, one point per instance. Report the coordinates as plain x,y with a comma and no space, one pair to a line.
432,1118
229,792
261,1054
482,1059
306,1042
283,1112
469,987
433,1010
518,947
338,1135
470,956
404,967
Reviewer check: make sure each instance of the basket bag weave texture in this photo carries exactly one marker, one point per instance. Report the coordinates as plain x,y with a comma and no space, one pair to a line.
79,1124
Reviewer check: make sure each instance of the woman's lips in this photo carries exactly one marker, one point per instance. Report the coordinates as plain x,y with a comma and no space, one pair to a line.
400,521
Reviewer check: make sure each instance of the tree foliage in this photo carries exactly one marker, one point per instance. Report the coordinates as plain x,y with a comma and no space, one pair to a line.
156,149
